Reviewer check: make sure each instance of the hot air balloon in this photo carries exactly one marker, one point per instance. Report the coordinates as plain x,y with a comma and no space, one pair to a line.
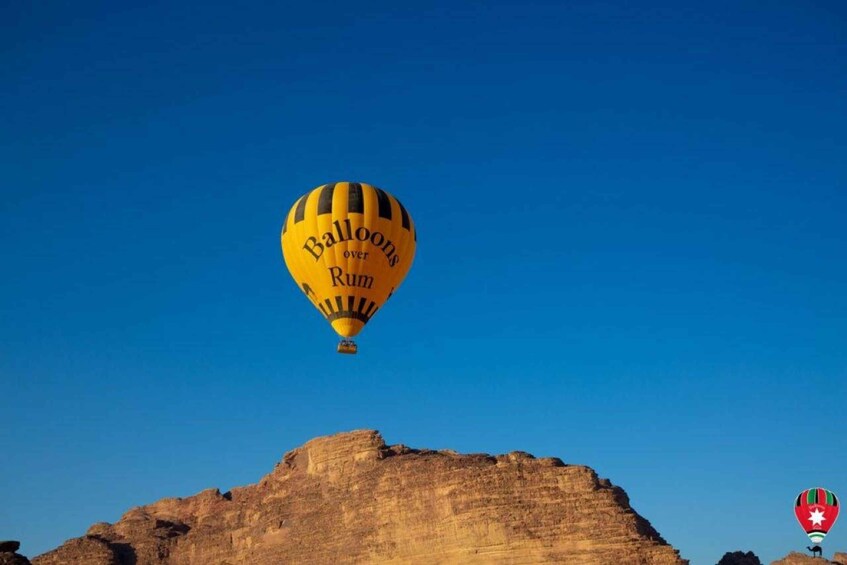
348,246
816,510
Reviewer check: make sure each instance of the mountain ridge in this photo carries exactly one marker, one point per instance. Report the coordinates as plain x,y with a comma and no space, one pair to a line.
350,497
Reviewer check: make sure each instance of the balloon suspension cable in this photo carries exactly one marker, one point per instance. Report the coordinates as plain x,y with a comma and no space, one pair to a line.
347,346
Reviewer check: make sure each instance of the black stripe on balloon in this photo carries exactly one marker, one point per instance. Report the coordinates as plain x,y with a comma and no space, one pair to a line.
350,312
361,305
285,223
355,199
371,309
351,301
404,215
384,203
834,500
339,304
300,212
323,309
329,305
799,497
325,200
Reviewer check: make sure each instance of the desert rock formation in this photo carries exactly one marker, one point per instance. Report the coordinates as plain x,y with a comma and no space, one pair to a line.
795,558
9,555
350,498
739,558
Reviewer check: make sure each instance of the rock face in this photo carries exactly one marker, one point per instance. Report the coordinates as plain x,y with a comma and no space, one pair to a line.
9,555
10,558
739,558
350,498
795,558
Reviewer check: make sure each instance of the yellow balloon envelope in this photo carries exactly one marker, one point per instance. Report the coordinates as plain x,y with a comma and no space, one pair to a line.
348,246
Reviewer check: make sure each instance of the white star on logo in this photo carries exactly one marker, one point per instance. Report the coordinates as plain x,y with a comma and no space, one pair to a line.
816,517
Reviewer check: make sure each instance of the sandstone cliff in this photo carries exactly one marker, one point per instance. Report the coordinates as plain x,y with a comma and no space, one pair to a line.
795,558
350,498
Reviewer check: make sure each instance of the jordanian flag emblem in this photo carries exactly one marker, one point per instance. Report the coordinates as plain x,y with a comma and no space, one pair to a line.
816,510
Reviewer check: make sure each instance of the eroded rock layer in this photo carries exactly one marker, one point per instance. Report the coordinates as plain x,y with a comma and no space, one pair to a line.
350,498
796,558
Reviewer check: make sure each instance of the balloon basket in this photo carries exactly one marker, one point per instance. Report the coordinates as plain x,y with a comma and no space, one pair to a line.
347,346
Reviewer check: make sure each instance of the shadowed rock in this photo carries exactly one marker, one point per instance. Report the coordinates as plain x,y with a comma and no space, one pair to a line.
11,558
739,558
9,555
9,546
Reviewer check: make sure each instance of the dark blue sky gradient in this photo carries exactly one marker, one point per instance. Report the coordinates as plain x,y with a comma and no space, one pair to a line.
631,249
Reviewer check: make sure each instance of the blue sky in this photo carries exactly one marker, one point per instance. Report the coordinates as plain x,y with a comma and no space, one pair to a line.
631,249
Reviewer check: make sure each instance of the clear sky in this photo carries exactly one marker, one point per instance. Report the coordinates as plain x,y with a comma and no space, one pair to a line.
631,249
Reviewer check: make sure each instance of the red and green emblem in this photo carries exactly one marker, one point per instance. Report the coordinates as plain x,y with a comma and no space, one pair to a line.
816,510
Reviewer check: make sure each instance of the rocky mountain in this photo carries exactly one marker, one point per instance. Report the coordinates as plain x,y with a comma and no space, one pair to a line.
350,498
